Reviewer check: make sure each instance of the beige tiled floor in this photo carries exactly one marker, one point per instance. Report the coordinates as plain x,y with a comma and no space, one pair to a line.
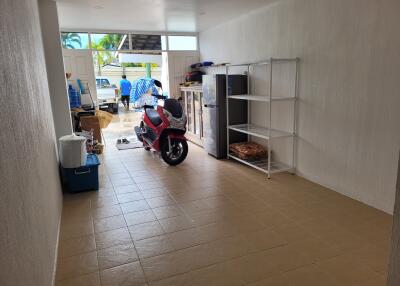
209,222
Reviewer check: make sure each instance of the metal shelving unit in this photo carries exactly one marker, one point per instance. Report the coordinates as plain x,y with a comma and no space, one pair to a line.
267,133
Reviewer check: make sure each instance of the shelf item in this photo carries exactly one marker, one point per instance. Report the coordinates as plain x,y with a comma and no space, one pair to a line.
83,178
192,88
247,150
215,66
265,98
262,165
261,132
265,165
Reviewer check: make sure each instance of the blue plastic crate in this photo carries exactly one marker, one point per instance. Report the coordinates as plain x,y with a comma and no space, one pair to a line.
84,178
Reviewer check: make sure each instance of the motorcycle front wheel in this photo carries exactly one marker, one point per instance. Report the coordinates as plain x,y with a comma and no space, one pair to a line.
179,151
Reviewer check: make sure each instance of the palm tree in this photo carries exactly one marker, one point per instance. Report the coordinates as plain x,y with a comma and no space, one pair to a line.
101,57
110,41
70,40
101,50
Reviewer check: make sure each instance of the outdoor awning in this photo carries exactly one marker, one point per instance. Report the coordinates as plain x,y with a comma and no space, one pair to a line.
140,58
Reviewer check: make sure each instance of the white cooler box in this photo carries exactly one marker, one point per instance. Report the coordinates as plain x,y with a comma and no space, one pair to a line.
72,151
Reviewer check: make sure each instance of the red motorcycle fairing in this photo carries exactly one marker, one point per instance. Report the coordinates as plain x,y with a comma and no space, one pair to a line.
175,135
161,130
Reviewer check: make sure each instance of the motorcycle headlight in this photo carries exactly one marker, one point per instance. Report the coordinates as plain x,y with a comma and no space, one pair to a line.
178,123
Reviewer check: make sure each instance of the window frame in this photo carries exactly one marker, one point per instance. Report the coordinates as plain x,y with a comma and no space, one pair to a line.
129,33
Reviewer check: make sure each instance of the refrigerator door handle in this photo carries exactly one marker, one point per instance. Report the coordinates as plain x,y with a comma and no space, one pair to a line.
210,105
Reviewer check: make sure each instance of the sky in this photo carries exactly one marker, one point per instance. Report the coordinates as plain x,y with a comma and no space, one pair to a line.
85,40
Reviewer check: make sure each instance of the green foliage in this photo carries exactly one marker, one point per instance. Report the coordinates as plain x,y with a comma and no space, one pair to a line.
137,65
110,41
103,55
101,58
71,40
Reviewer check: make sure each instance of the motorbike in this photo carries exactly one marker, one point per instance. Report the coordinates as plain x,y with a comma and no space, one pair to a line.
163,129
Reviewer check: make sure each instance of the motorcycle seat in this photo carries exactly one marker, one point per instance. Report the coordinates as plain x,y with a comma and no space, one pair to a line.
153,116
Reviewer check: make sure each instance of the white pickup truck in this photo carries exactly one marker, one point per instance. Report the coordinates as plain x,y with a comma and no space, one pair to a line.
107,95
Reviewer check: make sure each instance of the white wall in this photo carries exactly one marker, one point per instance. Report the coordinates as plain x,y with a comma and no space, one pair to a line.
394,260
349,88
30,192
113,74
55,67
178,65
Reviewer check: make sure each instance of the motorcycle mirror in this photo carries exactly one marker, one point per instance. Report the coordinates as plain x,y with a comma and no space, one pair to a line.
158,83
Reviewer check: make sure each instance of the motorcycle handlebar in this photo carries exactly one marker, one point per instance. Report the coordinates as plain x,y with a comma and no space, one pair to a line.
159,96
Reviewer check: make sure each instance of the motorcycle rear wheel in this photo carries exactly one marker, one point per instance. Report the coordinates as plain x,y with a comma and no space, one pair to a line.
177,155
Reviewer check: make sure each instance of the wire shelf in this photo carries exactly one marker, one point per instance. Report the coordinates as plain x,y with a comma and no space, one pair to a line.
266,133
267,62
261,132
264,98
262,164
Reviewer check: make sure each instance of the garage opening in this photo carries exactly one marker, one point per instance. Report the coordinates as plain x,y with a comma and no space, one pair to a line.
100,61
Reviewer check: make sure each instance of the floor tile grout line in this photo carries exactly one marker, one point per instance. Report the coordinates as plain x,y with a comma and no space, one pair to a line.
158,220
128,226
97,250
187,216
77,276
216,263
184,212
208,242
97,255
140,263
143,258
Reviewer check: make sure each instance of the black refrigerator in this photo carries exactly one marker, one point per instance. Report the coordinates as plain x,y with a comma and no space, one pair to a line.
214,112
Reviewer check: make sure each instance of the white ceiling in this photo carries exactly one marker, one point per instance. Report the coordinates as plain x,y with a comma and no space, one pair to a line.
151,15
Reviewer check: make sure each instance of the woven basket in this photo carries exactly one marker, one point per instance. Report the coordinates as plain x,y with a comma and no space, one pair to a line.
248,150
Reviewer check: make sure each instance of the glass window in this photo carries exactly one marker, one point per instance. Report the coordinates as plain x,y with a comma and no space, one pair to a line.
72,40
102,82
182,43
146,42
108,41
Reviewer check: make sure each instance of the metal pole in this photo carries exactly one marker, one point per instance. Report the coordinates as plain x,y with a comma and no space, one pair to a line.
248,101
130,41
227,110
148,70
90,41
270,120
295,115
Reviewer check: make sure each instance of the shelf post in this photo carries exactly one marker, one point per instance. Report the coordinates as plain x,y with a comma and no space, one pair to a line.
248,101
295,115
227,110
270,119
